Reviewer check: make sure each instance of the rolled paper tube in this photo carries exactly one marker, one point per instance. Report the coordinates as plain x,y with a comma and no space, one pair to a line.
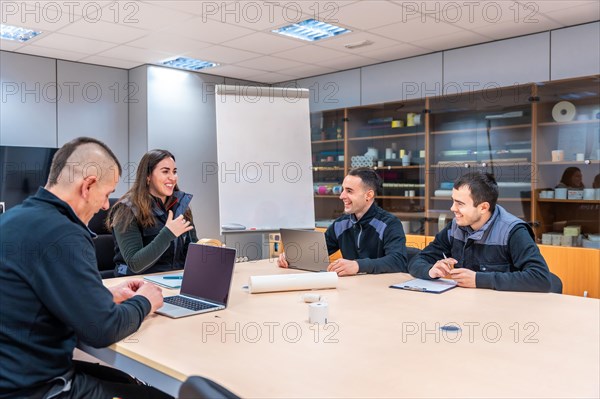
292,282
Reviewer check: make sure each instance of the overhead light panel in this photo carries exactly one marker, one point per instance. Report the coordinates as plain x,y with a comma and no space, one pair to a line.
354,45
189,64
16,33
311,30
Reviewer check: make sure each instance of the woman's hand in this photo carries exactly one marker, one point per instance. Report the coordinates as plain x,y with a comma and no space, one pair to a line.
179,225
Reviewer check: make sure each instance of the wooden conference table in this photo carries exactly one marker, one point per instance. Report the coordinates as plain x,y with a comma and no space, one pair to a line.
380,342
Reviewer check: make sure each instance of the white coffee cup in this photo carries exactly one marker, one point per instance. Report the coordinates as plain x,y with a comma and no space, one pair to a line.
560,193
579,157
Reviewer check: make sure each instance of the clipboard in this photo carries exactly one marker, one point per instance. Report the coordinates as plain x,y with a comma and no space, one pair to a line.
433,286
173,281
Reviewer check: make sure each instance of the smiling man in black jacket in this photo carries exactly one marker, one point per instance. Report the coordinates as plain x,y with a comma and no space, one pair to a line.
484,246
52,294
371,240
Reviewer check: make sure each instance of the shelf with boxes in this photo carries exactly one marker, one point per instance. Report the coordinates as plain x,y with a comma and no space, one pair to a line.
567,161
420,147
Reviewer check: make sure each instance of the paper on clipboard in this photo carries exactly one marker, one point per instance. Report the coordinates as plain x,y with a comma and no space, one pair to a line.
435,286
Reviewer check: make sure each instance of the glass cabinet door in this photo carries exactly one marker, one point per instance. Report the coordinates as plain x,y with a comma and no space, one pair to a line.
390,138
568,160
488,130
328,160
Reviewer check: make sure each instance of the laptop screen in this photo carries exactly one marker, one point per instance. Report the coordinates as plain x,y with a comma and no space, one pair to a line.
207,273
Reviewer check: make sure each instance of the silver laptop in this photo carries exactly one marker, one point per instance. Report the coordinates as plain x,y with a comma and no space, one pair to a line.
206,282
305,249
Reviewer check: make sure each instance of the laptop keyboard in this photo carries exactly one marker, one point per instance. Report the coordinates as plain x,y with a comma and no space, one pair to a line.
187,303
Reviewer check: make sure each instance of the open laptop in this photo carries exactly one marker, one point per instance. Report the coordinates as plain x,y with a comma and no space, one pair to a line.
206,281
305,249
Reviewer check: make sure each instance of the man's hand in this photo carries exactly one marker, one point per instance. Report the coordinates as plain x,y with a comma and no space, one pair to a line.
125,290
442,267
281,261
153,293
463,277
343,267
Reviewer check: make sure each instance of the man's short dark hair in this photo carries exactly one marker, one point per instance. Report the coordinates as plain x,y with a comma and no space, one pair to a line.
62,155
369,177
483,188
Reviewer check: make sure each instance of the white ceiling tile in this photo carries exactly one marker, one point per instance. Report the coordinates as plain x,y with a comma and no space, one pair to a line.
143,15
338,42
416,29
271,77
310,54
307,70
511,29
346,62
545,6
396,52
452,40
234,71
207,30
135,54
106,61
53,53
262,15
264,43
187,6
106,31
164,41
10,45
365,15
44,16
576,15
269,63
73,43
222,55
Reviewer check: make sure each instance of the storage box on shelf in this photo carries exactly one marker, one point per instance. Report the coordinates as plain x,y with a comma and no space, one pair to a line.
567,144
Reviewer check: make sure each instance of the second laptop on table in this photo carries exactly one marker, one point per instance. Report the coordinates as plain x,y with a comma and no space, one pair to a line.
305,249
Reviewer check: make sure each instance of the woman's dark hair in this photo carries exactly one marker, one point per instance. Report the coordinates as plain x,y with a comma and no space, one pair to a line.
567,177
139,195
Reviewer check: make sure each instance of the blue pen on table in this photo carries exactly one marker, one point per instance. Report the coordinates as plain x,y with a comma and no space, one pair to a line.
173,277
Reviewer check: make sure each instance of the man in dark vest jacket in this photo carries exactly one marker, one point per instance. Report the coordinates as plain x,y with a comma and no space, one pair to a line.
484,246
371,239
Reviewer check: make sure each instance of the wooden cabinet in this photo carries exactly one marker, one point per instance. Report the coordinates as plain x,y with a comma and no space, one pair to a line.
509,131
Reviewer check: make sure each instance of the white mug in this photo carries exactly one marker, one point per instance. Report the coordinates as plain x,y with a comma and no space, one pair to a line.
589,194
560,193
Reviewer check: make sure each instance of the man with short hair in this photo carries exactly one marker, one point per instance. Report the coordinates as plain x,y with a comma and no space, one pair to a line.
52,294
484,246
371,240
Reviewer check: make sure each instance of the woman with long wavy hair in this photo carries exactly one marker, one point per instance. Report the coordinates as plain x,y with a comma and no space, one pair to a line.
152,223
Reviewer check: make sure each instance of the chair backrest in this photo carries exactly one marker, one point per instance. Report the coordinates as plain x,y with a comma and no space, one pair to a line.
210,241
196,387
105,245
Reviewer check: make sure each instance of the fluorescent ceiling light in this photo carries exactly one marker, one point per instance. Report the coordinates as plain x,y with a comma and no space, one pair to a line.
190,64
17,33
311,30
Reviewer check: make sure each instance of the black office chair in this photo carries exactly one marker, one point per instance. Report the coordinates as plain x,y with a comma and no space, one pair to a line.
196,387
556,285
105,244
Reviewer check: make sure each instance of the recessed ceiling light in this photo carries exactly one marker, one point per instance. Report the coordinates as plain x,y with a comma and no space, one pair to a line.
190,64
17,33
354,45
311,30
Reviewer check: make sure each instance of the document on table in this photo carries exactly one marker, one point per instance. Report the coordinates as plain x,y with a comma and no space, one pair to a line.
434,286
